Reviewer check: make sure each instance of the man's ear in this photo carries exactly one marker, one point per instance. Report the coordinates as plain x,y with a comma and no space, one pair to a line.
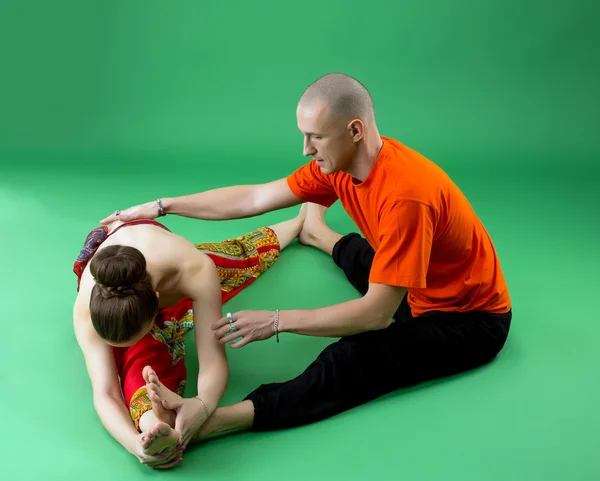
356,128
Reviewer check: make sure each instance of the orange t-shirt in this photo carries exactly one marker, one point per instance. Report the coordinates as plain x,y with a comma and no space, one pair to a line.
424,231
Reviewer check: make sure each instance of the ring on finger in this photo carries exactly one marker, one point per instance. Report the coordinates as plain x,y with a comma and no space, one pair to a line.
232,327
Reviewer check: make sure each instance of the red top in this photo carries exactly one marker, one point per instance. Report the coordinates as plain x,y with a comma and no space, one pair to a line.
95,238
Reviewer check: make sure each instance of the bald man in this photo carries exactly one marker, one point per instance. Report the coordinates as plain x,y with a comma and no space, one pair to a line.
433,299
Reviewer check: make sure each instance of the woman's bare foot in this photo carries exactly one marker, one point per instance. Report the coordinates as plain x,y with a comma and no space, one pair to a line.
160,437
157,392
315,231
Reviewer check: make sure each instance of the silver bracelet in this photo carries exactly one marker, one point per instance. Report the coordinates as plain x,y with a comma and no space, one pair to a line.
206,411
276,325
161,210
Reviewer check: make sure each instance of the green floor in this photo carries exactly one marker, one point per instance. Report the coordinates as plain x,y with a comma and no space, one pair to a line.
111,104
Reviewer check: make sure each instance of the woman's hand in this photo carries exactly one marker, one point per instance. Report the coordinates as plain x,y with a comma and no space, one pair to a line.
190,414
168,458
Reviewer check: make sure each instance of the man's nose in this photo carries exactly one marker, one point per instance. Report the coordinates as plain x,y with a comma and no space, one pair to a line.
308,148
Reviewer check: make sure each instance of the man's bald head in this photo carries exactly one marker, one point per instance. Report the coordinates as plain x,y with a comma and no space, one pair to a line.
346,97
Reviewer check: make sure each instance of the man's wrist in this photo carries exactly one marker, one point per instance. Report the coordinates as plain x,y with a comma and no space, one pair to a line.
285,320
167,205
160,206
277,324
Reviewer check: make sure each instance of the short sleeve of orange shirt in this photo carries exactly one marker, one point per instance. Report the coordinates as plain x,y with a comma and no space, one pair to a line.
311,185
404,245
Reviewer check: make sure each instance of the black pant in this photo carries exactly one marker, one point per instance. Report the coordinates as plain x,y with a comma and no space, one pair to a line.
362,367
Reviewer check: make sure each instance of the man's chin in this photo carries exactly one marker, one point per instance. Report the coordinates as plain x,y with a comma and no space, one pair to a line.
325,169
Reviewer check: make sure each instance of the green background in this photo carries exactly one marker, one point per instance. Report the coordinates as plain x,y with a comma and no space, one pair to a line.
108,104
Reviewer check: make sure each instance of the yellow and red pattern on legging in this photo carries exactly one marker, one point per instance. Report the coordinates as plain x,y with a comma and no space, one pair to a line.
239,262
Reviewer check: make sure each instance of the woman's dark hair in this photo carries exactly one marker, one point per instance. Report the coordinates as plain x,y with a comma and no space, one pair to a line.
123,301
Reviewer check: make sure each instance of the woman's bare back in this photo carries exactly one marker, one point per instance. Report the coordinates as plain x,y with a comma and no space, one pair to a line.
167,255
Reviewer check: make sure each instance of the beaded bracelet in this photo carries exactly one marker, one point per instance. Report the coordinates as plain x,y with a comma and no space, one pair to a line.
161,210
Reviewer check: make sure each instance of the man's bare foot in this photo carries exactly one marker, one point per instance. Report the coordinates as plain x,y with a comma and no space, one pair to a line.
315,232
160,437
288,230
302,212
157,392
235,417
314,223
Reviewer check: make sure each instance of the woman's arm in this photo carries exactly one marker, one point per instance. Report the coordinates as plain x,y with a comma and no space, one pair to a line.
213,374
101,368
108,400
201,284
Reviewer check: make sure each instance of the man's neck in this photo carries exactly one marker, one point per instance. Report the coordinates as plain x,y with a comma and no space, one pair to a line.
365,158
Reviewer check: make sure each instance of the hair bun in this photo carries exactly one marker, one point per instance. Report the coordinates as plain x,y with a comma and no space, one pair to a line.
118,270
108,292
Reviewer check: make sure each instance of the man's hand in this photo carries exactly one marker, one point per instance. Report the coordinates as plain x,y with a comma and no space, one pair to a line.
149,210
190,415
249,325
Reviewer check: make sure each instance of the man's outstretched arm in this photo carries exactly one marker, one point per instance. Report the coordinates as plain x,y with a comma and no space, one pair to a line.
235,202
373,311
